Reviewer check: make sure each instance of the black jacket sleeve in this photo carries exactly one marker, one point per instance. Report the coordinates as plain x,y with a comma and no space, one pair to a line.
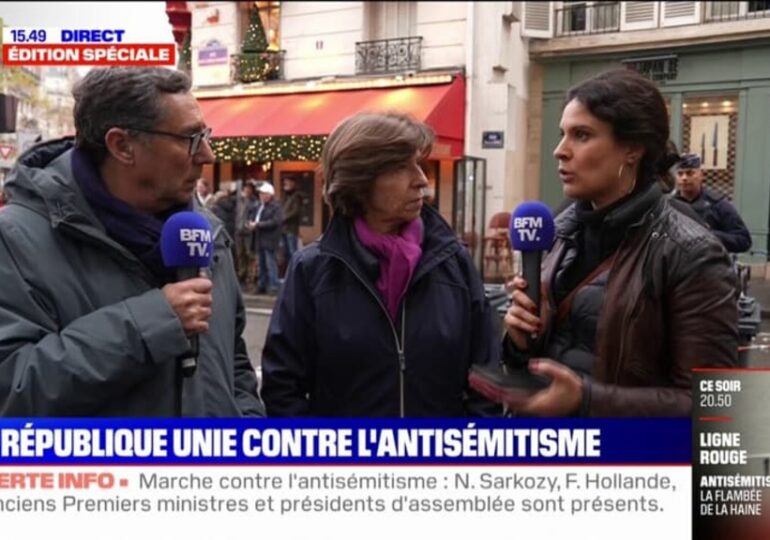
731,229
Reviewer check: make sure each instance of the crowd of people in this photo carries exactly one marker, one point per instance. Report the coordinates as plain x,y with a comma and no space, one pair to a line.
262,228
385,314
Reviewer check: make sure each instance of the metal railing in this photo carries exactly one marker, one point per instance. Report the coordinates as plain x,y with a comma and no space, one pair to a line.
581,19
388,55
248,67
736,11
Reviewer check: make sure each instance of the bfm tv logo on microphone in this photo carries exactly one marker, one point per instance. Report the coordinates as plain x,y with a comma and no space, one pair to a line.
528,228
196,240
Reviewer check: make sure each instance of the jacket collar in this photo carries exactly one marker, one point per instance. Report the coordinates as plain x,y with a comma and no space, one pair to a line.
43,181
439,242
630,214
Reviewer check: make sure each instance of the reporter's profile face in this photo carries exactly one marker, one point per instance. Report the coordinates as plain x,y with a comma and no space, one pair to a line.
689,182
168,174
589,158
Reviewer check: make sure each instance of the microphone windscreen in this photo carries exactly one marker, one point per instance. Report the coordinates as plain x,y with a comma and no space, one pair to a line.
532,227
186,241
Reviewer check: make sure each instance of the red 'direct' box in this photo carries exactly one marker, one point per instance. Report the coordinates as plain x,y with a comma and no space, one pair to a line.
85,54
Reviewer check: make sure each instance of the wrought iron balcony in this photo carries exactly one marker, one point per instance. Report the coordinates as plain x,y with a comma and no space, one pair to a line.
248,67
388,55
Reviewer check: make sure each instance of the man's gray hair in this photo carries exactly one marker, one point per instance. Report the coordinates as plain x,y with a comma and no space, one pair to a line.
121,97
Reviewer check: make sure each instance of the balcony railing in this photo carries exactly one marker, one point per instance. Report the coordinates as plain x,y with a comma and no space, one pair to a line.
582,19
388,55
736,11
248,67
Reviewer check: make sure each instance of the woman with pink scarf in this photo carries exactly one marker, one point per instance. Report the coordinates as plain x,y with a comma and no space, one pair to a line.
384,314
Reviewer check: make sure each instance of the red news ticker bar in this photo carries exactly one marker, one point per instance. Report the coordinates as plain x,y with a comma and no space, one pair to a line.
86,54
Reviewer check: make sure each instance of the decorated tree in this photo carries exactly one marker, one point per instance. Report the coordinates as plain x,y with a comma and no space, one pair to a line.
254,64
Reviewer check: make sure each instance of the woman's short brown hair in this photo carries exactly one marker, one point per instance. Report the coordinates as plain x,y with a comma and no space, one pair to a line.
362,147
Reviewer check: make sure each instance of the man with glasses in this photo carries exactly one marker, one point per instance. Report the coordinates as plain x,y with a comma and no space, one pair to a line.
91,322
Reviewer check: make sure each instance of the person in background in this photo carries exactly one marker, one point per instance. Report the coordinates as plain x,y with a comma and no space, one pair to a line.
384,315
224,206
635,294
91,321
715,210
292,208
203,192
244,235
267,229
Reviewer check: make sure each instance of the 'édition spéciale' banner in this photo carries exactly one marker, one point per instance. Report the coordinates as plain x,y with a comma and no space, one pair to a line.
37,46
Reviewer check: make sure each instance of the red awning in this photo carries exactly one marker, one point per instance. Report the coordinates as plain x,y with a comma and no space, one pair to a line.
317,113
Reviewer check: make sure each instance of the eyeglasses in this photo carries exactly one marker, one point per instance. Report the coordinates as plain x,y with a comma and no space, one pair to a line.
195,139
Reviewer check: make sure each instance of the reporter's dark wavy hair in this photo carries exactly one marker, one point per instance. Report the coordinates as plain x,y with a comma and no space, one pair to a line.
636,110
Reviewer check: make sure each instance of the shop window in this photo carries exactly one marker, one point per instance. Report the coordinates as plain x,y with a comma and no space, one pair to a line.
709,128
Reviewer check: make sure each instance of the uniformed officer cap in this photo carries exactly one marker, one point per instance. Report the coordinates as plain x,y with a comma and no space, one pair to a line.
689,161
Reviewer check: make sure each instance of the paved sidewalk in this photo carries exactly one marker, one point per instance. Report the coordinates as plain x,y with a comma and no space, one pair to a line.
259,301
760,290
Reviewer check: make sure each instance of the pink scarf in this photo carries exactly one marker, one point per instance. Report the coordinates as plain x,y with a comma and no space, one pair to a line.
398,255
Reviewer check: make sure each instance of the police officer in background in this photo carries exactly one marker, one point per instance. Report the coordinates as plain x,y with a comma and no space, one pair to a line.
715,210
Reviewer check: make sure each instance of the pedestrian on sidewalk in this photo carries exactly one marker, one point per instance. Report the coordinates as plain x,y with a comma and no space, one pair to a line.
267,235
384,315
244,234
292,212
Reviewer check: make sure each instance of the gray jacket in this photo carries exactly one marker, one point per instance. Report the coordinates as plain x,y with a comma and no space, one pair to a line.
84,329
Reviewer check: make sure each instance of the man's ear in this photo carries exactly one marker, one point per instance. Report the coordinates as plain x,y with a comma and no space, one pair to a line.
120,145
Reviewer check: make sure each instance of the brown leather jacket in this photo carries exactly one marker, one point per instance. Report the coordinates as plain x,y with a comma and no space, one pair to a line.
670,305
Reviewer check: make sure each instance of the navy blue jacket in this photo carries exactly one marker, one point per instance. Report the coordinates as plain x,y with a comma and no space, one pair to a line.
722,219
333,350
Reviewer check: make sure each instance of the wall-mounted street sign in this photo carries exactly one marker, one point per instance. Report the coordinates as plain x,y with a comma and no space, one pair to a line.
493,139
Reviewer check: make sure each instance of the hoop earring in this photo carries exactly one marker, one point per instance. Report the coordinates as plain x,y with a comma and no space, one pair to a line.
620,178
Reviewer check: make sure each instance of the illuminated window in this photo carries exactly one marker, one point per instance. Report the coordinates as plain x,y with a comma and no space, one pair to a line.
270,12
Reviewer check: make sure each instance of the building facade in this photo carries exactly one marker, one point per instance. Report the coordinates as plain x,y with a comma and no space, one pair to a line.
711,61
274,78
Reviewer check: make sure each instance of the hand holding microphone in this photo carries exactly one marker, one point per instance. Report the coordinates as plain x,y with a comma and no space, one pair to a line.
532,232
191,301
186,245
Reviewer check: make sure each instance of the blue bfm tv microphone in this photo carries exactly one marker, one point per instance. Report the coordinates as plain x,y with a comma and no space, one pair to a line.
186,245
532,232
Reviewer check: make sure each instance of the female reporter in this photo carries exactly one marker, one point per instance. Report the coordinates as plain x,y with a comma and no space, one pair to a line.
384,315
635,293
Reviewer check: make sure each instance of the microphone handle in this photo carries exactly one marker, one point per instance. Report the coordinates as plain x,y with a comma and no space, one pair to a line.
189,363
530,262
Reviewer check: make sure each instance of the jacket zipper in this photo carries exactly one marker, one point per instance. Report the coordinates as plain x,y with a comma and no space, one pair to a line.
400,342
